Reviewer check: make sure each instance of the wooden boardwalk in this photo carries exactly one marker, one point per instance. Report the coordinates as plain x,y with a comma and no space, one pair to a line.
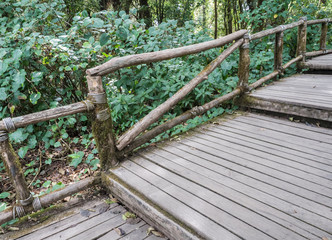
323,62
305,95
93,219
248,177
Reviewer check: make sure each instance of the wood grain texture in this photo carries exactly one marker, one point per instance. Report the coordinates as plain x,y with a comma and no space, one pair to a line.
269,177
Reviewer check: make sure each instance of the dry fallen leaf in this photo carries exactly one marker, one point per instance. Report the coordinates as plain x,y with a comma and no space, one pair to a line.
150,229
157,234
120,232
13,229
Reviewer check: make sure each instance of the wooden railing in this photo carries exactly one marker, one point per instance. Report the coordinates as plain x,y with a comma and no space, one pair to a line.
110,150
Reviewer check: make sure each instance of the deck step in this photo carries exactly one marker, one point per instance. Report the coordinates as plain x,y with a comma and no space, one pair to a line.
303,95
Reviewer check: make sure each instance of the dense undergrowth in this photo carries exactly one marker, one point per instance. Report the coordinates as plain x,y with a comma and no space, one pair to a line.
43,59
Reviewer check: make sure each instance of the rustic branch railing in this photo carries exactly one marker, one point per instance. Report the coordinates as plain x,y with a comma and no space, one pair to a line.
111,151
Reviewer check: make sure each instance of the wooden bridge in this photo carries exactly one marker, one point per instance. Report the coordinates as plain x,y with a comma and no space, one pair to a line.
248,175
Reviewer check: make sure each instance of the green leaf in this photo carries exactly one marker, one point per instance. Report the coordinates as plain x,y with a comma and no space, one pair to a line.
36,77
87,45
122,33
71,121
46,184
34,98
3,206
48,161
17,54
76,158
23,151
103,39
97,22
3,94
57,144
58,186
19,135
4,195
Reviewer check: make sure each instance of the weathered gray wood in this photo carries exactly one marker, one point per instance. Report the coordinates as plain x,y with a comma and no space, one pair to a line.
318,53
102,125
65,221
318,21
146,210
132,60
322,42
316,65
278,48
46,115
158,112
13,169
268,165
50,198
244,63
170,204
202,166
89,223
290,150
297,142
126,228
88,232
220,216
216,194
276,30
302,40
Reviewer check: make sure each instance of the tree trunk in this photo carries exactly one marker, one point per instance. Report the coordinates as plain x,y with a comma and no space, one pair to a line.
204,14
215,19
229,17
144,12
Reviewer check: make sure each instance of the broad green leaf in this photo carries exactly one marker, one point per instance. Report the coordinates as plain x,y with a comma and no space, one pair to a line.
34,98
4,195
103,39
76,158
19,135
3,94
3,206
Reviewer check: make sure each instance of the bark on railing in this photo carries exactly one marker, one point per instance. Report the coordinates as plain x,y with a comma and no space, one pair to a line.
318,21
49,114
53,197
317,53
102,125
302,40
196,111
323,36
132,60
158,112
278,48
244,62
13,167
276,30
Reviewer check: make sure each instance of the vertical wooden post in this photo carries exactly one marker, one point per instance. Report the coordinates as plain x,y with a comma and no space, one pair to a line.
13,167
278,48
302,41
102,126
323,35
244,62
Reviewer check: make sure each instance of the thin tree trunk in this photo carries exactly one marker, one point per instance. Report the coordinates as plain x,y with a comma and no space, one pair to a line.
215,19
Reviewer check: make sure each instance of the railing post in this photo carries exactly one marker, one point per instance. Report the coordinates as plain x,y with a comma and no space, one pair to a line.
102,126
278,48
244,62
302,41
323,35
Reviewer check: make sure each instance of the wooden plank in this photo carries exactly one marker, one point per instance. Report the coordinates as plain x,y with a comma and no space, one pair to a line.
296,134
240,224
249,175
138,234
286,94
279,174
126,228
270,96
320,176
64,223
202,168
311,128
75,229
99,229
277,138
147,209
278,146
217,195
193,219
292,108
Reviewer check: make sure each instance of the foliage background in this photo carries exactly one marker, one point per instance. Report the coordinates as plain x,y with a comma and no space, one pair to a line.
46,46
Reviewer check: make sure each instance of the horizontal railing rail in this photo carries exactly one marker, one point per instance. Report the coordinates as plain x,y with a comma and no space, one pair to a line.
110,150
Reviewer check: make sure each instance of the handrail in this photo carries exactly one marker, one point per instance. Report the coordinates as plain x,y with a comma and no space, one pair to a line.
109,150
136,59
